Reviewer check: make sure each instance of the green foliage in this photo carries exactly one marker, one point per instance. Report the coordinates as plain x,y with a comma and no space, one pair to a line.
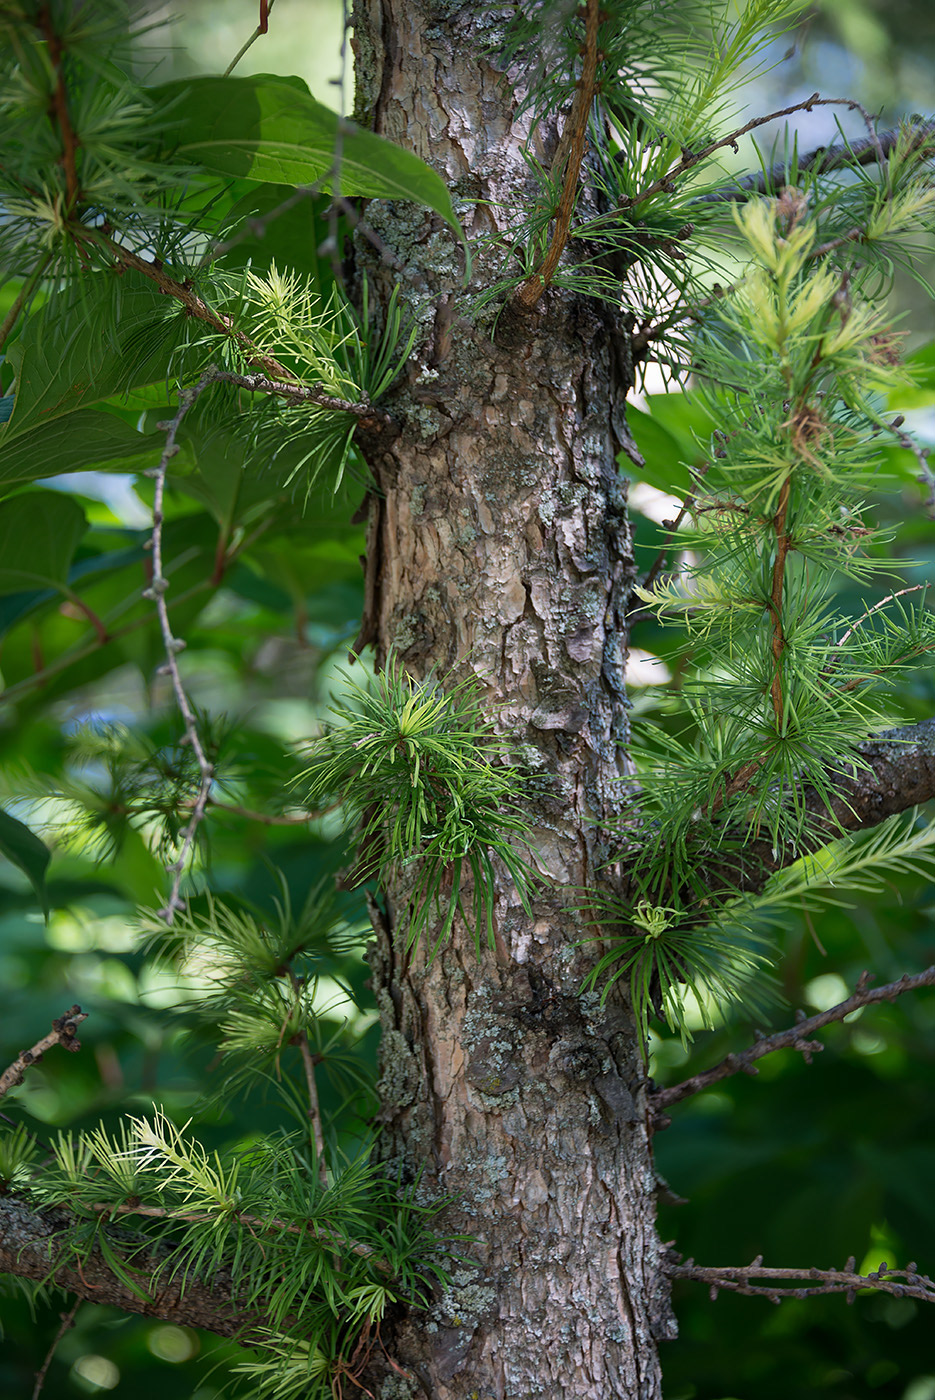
266,129
194,214
778,685
422,777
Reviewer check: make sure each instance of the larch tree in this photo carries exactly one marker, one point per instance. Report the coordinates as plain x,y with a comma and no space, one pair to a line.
266,310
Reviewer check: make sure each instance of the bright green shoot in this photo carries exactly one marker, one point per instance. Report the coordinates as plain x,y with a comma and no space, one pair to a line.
424,777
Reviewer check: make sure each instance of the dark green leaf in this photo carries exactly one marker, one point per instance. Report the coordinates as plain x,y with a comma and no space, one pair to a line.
266,129
101,337
39,533
23,849
76,442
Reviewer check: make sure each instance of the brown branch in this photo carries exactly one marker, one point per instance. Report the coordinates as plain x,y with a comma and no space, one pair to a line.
58,114
308,1228
776,1284
822,160
794,1038
183,292
692,158
305,393
33,1245
84,650
531,290
68,1320
64,1032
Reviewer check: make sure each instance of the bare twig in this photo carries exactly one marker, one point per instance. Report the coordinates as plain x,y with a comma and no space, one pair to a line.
692,158
795,1038
64,1032
255,1222
775,1284
267,818
926,477
890,597
823,159
68,1320
303,393
173,645
531,290
80,652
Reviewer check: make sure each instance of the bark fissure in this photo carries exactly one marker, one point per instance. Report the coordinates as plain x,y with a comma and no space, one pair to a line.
504,553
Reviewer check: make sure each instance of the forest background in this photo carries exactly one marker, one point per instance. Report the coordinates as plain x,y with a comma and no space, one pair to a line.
843,1152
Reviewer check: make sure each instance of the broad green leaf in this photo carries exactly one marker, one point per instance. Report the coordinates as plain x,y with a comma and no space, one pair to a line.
23,849
76,442
265,129
101,337
39,533
661,452
290,239
15,607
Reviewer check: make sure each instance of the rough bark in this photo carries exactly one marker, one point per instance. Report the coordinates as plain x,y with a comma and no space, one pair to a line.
31,1246
500,547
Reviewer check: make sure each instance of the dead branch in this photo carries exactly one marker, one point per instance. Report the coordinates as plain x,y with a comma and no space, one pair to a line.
822,160
64,1032
775,1284
795,1038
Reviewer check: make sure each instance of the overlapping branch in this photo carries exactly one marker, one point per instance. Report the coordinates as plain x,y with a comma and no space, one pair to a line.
33,1245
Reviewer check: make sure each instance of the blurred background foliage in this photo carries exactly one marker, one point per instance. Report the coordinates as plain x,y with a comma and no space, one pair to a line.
805,1164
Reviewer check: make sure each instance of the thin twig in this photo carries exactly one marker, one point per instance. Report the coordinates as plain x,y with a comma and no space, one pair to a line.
672,527
890,597
925,477
264,1222
692,158
822,160
68,1320
902,1283
531,290
267,818
302,393
794,1038
64,1032
84,650
173,645
261,29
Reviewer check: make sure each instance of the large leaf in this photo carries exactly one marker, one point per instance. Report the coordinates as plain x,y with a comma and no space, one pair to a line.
266,129
23,849
39,533
76,442
101,336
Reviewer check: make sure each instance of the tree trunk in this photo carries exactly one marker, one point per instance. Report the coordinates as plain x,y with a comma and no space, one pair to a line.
500,548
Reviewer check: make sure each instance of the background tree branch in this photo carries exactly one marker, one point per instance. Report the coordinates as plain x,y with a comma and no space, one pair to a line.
794,1038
